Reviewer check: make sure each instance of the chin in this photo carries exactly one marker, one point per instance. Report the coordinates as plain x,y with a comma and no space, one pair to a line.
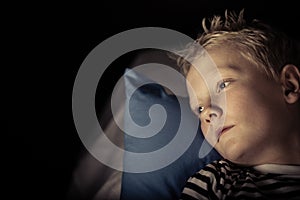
237,156
242,162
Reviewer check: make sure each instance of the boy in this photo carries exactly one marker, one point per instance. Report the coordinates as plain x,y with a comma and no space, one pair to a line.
259,137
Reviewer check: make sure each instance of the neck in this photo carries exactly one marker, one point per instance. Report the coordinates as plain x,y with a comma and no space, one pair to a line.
289,149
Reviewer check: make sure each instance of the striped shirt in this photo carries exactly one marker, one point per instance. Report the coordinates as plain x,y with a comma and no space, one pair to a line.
224,180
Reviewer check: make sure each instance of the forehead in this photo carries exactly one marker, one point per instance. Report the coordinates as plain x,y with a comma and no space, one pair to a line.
215,63
223,59
207,70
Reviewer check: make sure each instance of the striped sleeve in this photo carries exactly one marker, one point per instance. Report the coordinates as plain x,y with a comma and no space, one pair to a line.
203,185
222,179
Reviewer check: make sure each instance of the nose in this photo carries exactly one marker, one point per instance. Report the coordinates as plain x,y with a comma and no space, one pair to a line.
212,114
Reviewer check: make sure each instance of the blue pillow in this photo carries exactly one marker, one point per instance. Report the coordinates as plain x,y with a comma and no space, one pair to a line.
168,182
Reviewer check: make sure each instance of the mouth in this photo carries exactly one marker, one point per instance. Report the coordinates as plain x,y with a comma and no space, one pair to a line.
224,130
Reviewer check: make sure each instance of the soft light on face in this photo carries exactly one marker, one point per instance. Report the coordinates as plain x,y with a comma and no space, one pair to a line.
206,74
247,126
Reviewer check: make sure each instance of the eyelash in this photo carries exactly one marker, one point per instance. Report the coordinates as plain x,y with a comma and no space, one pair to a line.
223,84
200,109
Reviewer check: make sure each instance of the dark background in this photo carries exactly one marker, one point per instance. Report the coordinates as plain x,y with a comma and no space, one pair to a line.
47,44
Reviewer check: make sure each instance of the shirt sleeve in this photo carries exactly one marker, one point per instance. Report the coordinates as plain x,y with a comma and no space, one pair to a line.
203,185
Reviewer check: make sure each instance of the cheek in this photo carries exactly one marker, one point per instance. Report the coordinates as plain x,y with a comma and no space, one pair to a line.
204,128
246,107
256,109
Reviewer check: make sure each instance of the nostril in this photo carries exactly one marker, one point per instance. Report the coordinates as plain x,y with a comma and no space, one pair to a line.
211,118
212,115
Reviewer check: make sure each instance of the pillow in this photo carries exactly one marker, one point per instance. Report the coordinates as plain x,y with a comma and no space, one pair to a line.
168,182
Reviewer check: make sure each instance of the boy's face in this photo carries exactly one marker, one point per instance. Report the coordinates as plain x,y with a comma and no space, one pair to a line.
254,113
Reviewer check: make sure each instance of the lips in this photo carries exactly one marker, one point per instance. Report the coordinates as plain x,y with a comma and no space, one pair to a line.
224,130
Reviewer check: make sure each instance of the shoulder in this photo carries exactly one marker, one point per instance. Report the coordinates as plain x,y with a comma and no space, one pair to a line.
210,180
219,167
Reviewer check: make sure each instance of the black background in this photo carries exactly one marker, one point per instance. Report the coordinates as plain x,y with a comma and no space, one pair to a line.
47,42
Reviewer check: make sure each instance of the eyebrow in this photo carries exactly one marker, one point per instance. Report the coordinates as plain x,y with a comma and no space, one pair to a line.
195,105
195,109
231,67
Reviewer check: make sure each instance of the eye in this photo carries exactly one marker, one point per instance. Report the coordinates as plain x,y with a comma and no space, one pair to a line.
223,84
200,109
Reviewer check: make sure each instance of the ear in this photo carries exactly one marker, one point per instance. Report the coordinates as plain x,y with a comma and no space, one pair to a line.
290,80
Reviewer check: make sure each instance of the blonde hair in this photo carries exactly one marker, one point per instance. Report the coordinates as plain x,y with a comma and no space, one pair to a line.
267,48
